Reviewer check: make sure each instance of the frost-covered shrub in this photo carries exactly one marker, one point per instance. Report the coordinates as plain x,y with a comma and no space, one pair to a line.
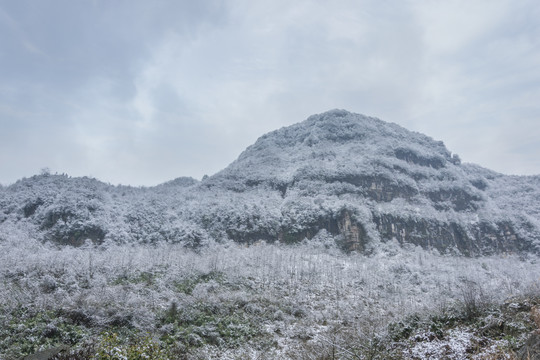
110,346
48,284
235,298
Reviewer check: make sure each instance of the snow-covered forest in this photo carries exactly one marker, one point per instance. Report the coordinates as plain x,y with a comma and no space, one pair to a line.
341,237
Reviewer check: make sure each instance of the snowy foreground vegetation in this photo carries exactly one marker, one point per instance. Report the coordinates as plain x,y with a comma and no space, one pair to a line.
307,301
340,237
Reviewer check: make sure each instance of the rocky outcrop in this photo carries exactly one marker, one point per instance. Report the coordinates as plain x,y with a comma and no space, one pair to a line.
378,188
288,235
354,235
475,239
457,199
411,156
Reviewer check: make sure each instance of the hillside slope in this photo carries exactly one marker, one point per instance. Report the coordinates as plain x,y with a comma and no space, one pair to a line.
336,176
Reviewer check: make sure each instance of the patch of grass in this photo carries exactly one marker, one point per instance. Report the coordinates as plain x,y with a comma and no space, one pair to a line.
402,330
141,277
25,332
206,324
187,285
112,346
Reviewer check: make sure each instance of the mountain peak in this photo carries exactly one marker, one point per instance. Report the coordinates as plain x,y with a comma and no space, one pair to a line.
333,143
364,178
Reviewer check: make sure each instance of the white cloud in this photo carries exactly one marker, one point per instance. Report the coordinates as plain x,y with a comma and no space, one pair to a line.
205,80
452,26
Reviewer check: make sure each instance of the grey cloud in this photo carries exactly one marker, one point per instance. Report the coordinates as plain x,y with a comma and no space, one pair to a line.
142,92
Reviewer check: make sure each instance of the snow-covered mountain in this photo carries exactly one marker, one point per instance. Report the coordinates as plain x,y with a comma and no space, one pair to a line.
336,176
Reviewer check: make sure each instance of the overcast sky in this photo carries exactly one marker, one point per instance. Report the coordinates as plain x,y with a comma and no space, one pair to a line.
141,92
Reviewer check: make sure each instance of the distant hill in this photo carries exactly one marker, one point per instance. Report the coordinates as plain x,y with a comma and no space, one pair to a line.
336,177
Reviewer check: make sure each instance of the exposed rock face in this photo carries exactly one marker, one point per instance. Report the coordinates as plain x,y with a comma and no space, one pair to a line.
411,157
379,188
290,236
353,233
479,239
358,178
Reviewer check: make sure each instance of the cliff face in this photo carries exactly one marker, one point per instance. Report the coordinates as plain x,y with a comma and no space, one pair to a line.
359,179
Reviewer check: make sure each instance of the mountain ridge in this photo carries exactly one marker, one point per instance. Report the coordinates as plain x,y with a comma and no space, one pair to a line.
348,178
